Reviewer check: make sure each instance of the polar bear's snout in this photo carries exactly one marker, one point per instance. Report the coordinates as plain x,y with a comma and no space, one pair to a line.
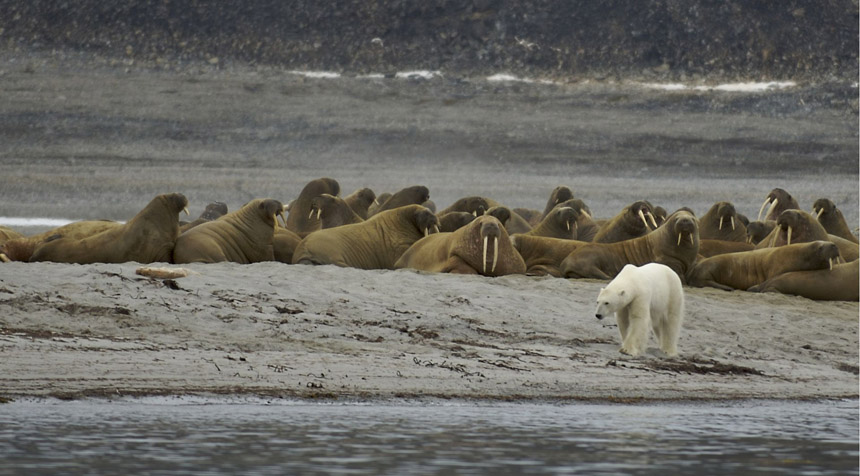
598,315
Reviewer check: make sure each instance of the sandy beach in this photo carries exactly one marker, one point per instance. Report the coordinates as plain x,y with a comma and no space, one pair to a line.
87,140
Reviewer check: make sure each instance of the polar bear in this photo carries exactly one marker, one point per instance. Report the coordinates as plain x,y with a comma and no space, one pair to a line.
641,296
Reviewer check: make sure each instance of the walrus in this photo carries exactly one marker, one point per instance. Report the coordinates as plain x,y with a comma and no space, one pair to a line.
299,219
373,244
745,269
831,219
333,211
629,223
586,228
244,236
453,221
675,244
213,211
660,215
481,247
798,226
21,249
558,223
779,201
558,195
708,248
414,195
501,212
758,230
472,204
721,222
530,215
7,234
284,243
360,201
429,204
842,283
374,207
148,237
543,255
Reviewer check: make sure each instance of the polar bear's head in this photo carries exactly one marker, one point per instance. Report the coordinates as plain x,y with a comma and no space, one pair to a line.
611,299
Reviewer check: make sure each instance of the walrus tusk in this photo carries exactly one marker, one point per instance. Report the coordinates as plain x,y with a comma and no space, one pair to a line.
771,207
495,253
766,201
653,221
474,213
4,258
484,261
319,212
642,216
283,218
585,213
732,219
311,214
185,209
679,238
568,225
692,243
831,264
721,224
436,229
788,241
427,231
818,214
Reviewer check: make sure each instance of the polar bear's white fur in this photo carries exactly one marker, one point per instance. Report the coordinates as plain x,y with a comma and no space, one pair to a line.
649,295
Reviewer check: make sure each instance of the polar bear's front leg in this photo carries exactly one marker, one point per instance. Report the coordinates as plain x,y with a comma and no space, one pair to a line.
639,323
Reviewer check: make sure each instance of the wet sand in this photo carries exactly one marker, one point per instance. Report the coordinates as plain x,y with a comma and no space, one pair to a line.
86,141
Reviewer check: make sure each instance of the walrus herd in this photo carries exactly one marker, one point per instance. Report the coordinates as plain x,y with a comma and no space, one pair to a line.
789,250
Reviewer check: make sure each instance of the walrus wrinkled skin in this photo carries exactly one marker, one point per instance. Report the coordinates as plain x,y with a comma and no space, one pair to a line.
708,248
798,226
558,223
213,211
543,256
414,195
481,247
779,201
21,249
675,244
299,219
631,222
832,220
373,244
360,201
721,222
558,195
333,211
842,283
748,268
284,243
244,236
149,237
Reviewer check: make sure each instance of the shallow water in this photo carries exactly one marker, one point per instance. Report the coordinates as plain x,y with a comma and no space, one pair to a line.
209,436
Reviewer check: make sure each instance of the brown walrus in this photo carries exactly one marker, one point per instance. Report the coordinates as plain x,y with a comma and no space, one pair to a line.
832,220
414,195
630,223
299,219
244,236
453,221
586,228
558,195
675,244
558,223
758,230
481,247
21,249
501,212
745,269
213,211
779,201
542,255
284,243
373,244
660,215
7,234
333,211
798,226
721,222
708,248
472,204
147,238
374,207
360,201
842,283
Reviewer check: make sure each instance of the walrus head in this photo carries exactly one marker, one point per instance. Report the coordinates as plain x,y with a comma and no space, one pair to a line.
426,221
491,230
566,218
823,207
797,226
726,211
643,209
474,205
270,209
660,214
685,227
578,205
827,252
214,211
758,230
503,214
559,194
779,201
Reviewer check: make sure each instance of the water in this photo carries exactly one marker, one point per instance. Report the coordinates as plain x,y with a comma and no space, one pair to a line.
212,436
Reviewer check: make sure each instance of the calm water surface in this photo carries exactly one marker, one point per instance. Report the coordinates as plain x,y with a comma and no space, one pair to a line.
214,436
